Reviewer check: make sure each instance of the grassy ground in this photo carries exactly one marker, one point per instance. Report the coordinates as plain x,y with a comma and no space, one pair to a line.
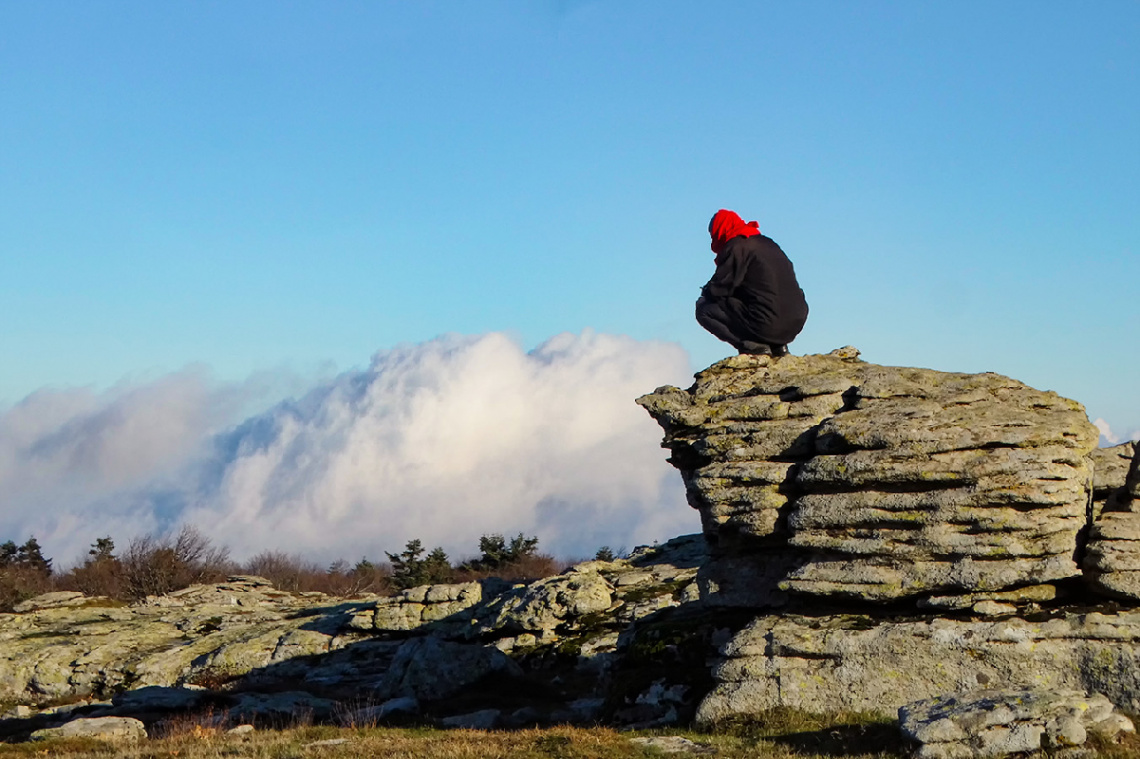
781,735
335,743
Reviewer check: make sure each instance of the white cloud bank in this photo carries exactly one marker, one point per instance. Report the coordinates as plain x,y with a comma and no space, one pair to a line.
443,441
1108,437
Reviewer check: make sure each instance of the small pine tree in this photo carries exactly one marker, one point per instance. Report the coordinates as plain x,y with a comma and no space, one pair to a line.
406,566
103,549
410,570
498,553
437,566
605,553
27,556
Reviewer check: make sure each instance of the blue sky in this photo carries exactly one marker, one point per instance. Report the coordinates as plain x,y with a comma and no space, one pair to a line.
266,187
257,184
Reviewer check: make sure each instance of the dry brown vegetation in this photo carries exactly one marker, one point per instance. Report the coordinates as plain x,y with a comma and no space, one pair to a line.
785,735
781,734
337,743
157,565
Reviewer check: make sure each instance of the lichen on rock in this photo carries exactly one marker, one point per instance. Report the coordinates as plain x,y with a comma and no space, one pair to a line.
880,483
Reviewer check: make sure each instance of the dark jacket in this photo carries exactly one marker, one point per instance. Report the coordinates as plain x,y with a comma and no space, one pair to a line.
756,284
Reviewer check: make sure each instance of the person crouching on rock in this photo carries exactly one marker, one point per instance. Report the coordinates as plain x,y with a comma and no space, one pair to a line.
753,301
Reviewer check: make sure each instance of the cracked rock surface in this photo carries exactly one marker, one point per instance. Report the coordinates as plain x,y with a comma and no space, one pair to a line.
545,652
1000,722
881,483
873,663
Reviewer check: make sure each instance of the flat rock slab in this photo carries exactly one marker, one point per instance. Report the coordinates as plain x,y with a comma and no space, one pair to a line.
673,744
831,663
102,728
991,723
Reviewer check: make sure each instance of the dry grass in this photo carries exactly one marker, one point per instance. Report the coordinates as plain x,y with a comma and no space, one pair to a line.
334,743
784,736
206,742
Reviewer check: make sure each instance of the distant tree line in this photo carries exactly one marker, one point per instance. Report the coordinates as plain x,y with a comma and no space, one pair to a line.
151,566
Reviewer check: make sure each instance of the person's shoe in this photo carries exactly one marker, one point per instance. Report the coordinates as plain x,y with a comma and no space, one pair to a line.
755,349
779,350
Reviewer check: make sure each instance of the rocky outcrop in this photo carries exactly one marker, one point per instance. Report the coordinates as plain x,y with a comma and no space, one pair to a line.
553,650
1112,561
878,663
920,533
1000,722
882,483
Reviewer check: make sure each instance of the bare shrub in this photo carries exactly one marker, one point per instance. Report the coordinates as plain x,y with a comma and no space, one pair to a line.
196,725
19,583
100,577
156,566
24,573
101,574
286,571
365,577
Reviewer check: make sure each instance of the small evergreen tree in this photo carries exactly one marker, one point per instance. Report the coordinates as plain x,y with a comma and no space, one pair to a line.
498,553
406,566
103,549
437,566
24,572
409,569
31,556
28,556
605,553
8,552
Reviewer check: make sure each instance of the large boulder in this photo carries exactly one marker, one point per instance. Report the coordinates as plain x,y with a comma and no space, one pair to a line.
991,723
125,729
547,604
878,663
879,483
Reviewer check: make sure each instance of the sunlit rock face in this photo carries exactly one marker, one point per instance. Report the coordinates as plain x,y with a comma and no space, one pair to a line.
903,534
851,480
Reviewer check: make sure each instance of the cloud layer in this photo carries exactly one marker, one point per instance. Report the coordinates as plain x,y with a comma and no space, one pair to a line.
1109,437
443,441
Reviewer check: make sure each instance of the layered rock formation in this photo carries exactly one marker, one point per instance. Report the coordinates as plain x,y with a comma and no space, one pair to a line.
1110,471
877,662
1113,557
885,483
892,514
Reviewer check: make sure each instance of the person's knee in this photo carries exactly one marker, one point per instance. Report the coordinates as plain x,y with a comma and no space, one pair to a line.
702,310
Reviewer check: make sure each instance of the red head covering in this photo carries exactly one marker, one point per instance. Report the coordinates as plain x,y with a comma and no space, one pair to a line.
726,225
